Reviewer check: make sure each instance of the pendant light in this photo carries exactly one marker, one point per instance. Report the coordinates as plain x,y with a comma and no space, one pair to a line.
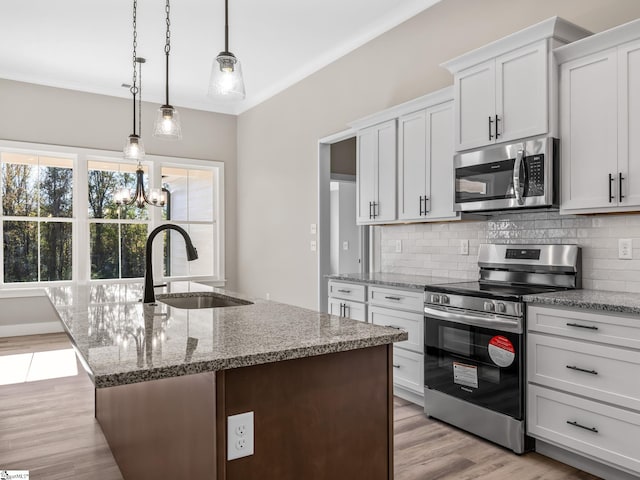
139,197
226,73
134,148
167,123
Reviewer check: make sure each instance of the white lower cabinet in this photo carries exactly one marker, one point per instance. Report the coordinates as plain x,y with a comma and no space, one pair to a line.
347,300
408,371
596,429
583,373
402,309
347,309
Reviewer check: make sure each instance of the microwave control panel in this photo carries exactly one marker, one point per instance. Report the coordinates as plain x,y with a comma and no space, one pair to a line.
534,166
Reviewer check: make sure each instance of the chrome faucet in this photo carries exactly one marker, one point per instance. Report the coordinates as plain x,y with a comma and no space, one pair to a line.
192,254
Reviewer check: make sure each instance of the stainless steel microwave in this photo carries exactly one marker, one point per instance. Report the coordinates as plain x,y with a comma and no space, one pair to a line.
505,177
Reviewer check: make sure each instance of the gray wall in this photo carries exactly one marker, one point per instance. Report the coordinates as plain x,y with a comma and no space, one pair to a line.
277,140
34,113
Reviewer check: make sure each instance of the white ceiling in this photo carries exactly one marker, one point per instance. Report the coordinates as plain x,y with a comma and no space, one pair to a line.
86,44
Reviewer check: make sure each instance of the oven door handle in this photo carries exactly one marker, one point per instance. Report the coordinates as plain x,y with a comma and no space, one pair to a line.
495,322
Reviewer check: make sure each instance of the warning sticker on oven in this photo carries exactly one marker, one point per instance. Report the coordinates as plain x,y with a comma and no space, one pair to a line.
501,351
466,375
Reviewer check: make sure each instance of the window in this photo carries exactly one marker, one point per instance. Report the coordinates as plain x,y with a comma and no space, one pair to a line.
116,234
36,218
190,205
59,223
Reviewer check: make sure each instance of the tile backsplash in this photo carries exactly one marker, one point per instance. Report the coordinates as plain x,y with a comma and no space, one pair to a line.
433,248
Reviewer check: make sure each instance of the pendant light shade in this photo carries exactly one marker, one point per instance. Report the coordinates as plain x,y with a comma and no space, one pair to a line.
167,122
134,148
226,81
226,78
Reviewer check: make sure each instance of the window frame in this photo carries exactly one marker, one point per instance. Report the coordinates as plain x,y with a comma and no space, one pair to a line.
80,258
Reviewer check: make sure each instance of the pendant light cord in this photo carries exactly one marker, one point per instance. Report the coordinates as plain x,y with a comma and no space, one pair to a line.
226,25
167,49
134,87
140,62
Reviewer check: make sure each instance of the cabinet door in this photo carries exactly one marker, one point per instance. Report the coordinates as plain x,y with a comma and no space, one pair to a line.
366,166
588,128
629,124
522,93
385,208
475,106
413,165
440,159
352,310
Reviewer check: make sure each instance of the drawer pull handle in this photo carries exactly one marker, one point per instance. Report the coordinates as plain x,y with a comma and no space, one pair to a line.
589,327
394,326
573,367
393,298
576,424
344,291
395,365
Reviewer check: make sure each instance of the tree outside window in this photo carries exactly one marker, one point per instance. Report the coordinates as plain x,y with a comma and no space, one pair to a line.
37,211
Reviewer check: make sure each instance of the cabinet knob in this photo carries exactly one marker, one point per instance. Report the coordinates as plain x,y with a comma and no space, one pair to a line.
489,307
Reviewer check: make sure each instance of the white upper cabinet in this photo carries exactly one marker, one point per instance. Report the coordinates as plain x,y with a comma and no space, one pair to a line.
376,173
504,91
425,164
599,113
421,154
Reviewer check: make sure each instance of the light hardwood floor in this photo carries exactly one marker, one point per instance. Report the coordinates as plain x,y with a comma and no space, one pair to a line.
48,427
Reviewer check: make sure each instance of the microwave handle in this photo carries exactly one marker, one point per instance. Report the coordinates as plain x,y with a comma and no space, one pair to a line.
518,184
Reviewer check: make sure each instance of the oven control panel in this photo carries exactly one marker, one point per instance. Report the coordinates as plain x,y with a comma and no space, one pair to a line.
478,304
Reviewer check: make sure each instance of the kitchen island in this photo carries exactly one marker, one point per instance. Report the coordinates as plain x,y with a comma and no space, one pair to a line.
167,378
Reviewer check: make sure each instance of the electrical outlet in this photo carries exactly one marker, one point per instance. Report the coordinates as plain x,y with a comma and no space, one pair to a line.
345,245
267,296
398,246
314,229
313,245
625,249
464,247
239,435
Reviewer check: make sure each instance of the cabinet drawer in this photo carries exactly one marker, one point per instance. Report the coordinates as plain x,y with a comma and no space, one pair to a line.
347,291
412,323
616,329
600,372
408,370
412,300
344,308
607,433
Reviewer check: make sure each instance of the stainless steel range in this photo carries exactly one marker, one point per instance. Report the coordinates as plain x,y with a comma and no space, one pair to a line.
475,339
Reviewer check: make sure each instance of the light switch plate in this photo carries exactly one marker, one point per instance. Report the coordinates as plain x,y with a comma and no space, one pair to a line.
398,246
625,249
345,245
239,435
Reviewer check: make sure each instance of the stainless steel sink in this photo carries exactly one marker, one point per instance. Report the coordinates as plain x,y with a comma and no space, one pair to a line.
200,300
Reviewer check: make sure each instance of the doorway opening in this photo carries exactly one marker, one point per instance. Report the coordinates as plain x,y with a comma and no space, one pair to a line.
343,246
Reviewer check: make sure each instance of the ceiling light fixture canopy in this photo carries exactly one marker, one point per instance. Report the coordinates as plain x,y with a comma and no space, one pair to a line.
167,124
226,81
134,148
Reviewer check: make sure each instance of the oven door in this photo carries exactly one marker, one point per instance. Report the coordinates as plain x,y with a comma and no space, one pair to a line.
479,364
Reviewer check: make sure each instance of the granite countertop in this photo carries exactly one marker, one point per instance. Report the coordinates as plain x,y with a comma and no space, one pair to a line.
398,280
619,302
122,341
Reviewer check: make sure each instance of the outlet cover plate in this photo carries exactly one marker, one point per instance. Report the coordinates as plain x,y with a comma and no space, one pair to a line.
239,435
625,249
